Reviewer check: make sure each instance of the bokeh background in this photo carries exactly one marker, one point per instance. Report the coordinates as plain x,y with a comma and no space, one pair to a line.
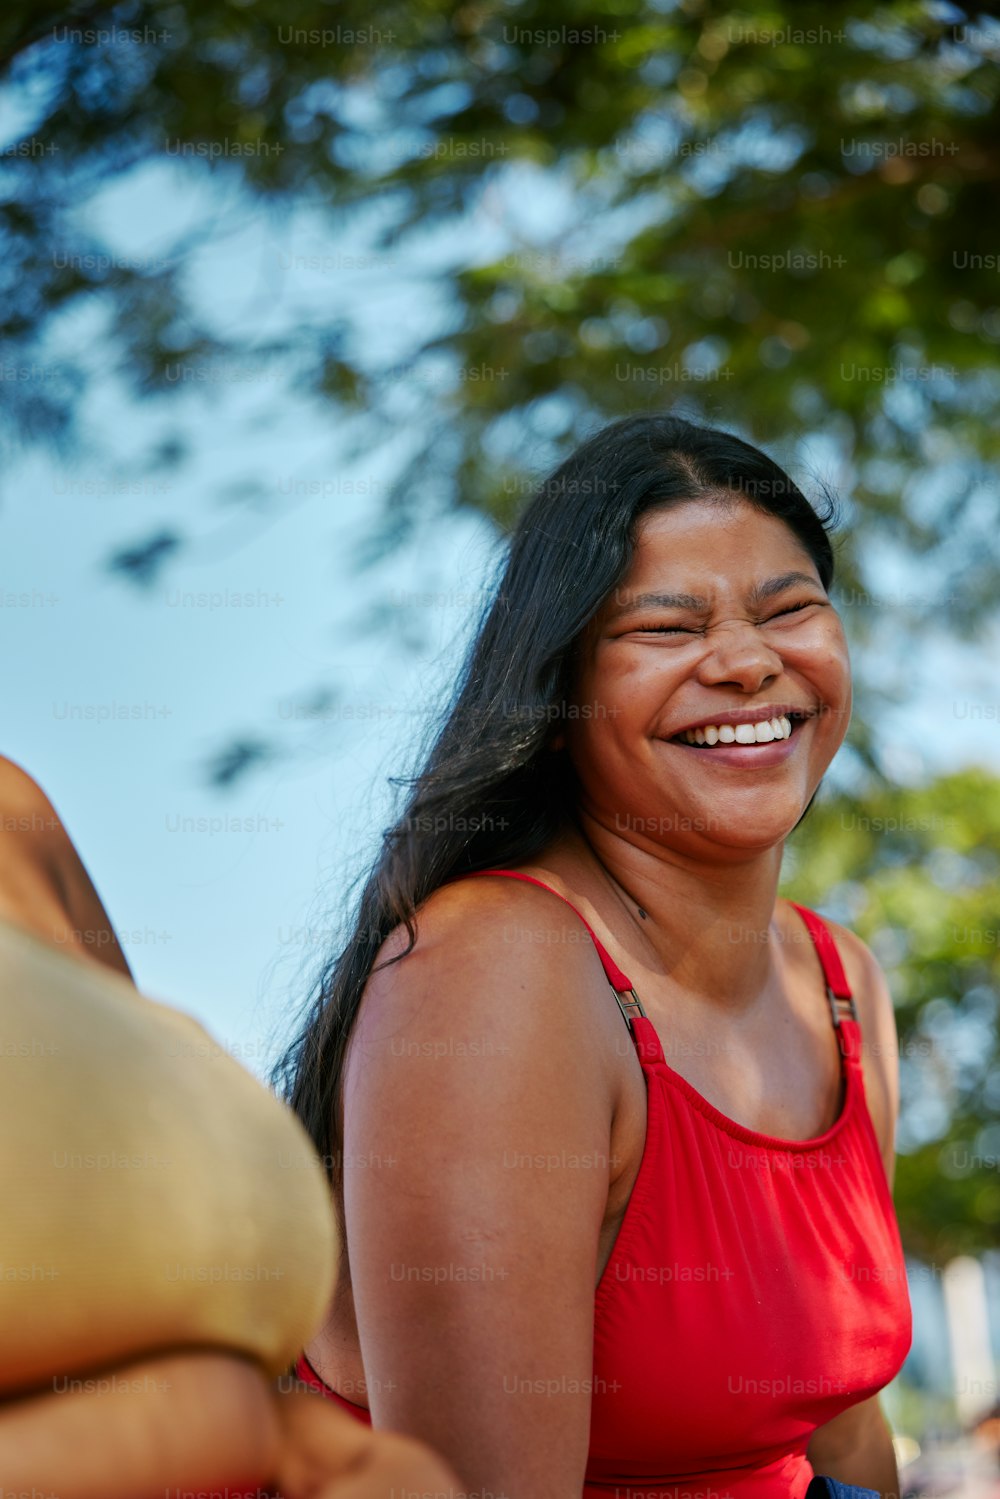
299,303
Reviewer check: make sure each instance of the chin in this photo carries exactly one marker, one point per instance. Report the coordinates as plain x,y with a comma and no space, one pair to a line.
746,840
753,828
755,840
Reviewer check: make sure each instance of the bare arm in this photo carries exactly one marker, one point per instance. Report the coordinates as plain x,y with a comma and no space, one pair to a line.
327,1454
189,1420
44,886
201,1421
856,1447
478,1115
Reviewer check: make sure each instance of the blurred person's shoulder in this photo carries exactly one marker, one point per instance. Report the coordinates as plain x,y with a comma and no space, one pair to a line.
32,835
20,792
44,884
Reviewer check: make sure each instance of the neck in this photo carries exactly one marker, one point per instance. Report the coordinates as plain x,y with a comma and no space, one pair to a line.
706,928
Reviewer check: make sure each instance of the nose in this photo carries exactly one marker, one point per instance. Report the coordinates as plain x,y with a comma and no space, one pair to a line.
738,655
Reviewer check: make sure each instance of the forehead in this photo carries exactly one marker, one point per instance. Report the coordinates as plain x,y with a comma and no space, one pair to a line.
714,535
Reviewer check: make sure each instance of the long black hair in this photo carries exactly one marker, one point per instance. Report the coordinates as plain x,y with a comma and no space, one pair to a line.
492,792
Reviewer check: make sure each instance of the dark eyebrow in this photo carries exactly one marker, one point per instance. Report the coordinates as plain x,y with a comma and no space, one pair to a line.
698,605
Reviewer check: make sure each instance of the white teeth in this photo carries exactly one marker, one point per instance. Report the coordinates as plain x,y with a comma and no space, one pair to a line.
741,733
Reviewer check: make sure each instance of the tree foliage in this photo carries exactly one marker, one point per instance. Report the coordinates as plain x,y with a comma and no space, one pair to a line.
774,214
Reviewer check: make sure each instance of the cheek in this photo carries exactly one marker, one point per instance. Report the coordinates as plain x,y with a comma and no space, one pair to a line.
824,663
821,653
609,712
607,684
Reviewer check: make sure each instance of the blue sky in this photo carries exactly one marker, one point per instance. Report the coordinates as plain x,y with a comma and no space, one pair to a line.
119,697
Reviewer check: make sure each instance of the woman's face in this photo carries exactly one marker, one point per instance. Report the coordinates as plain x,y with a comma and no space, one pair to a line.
721,614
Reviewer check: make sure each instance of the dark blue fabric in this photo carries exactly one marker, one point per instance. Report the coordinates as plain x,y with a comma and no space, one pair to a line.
822,1487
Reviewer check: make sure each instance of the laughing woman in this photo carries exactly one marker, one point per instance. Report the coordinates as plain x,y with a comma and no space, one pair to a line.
609,1126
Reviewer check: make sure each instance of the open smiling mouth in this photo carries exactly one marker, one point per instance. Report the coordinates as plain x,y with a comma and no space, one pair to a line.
738,736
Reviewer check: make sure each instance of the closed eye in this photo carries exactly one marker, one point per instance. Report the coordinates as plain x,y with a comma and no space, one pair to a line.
794,608
650,629
663,630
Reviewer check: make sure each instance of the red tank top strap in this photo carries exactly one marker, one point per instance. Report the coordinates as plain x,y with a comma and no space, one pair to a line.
838,990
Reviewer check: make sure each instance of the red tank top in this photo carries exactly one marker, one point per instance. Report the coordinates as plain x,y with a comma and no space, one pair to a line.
756,1289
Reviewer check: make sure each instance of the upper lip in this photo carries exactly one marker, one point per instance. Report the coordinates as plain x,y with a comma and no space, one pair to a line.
746,715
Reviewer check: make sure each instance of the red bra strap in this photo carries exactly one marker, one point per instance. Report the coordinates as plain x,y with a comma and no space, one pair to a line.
618,980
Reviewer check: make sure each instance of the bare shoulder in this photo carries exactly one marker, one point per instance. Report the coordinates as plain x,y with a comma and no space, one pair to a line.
19,791
32,838
483,942
30,826
44,884
500,973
